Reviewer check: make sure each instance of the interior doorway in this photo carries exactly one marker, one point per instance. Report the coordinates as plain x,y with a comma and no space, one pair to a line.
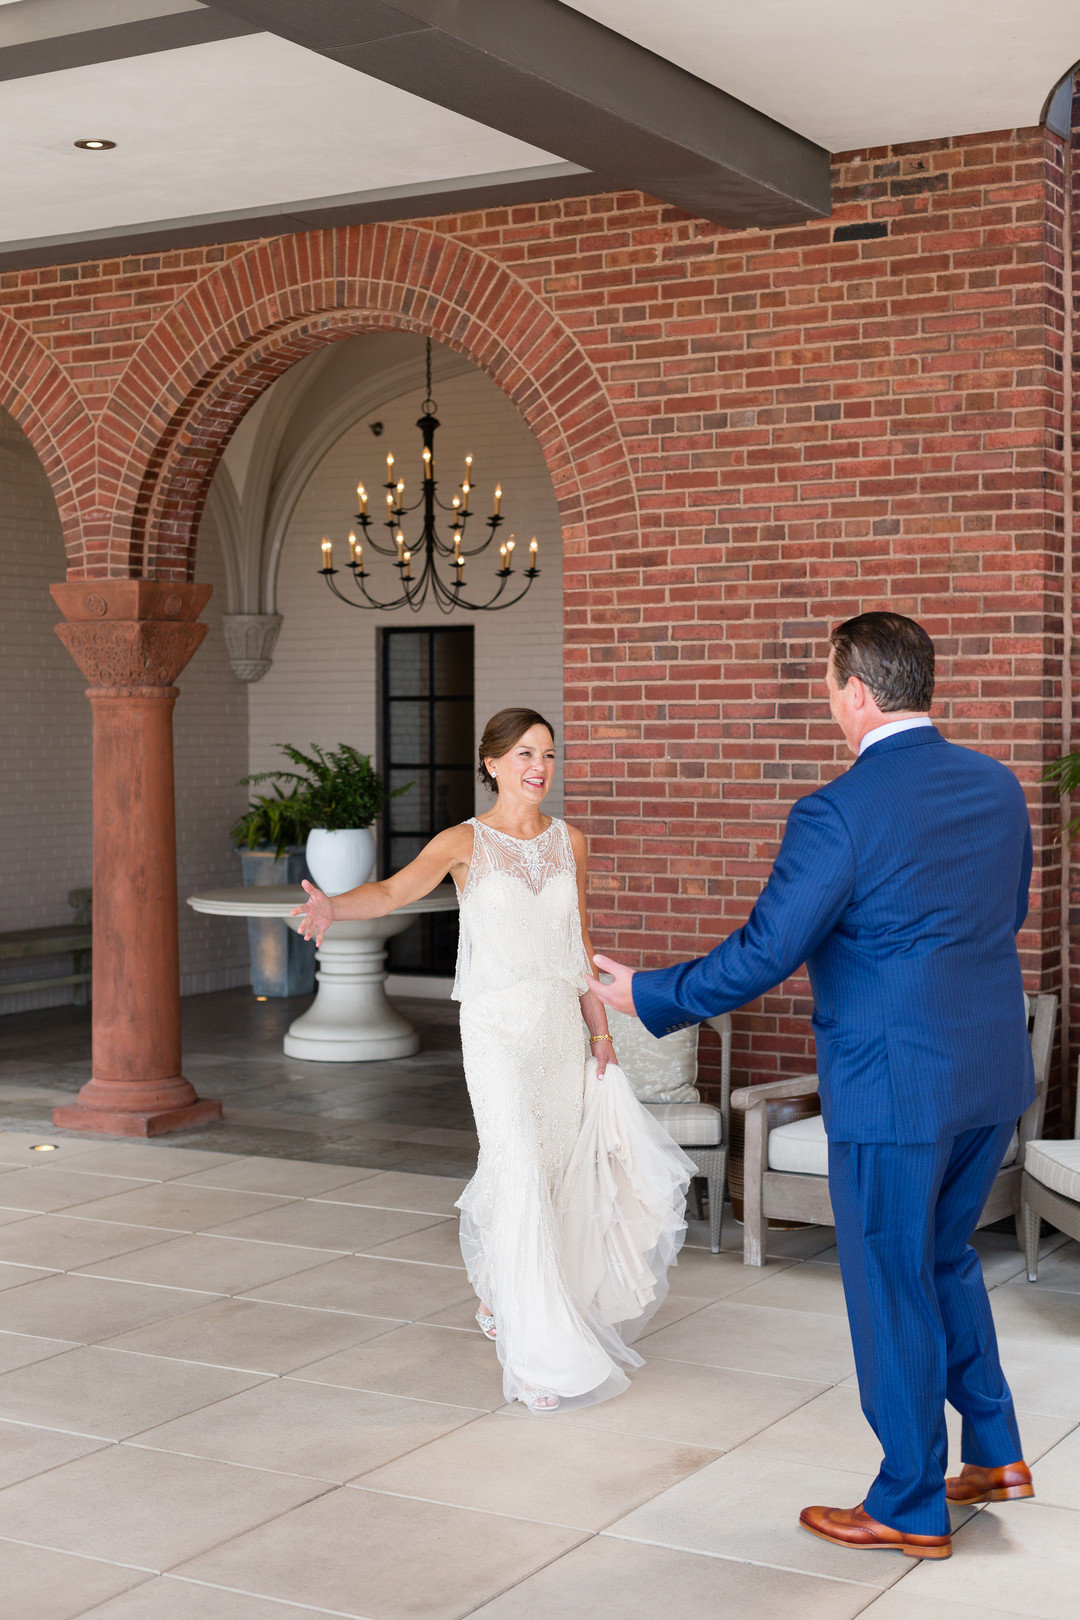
427,737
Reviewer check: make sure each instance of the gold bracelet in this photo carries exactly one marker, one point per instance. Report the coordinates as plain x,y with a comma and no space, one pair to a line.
593,1038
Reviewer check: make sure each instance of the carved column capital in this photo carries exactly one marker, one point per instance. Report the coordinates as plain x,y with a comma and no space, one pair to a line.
131,637
251,638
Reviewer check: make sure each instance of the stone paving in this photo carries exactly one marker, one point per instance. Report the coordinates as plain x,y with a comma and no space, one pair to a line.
240,1380
236,1387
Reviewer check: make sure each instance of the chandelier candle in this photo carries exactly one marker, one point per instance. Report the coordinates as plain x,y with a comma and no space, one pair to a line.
430,550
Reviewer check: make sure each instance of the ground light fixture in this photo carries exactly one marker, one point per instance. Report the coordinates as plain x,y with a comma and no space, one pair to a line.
422,564
94,144
44,1147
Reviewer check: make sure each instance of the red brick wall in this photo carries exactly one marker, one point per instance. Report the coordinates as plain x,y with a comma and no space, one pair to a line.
750,435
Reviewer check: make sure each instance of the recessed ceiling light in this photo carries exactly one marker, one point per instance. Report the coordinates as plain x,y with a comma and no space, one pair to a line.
260,998
95,145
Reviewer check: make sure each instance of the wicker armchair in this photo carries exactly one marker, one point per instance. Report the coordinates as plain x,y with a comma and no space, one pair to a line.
786,1169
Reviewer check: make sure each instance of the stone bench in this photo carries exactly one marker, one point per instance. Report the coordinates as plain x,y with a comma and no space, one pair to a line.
62,939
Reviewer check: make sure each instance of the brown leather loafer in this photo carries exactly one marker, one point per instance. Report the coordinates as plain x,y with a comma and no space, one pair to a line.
974,1484
853,1527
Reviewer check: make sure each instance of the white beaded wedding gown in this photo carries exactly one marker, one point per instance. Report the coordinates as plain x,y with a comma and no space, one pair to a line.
577,1207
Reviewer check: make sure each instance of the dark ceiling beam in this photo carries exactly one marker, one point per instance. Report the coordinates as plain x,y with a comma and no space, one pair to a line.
45,36
462,194
549,75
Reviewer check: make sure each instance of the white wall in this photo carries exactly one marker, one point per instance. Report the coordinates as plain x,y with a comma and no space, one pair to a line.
323,685
210,730
45,734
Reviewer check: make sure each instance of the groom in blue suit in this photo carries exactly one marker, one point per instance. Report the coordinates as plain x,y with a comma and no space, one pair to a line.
902,885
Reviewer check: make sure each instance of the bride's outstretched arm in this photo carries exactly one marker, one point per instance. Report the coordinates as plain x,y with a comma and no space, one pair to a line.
448,852
592,1008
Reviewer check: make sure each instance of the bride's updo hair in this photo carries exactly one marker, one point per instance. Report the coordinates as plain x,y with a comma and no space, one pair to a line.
502,731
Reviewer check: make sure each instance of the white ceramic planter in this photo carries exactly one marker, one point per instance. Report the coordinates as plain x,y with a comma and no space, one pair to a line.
340,860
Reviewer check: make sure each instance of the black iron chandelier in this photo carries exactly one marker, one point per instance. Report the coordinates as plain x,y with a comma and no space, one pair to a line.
418,565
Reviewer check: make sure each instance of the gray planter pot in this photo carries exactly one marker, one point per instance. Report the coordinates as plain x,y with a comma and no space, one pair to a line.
282,964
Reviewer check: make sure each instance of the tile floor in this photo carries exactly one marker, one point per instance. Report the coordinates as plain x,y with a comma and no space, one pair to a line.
241,1387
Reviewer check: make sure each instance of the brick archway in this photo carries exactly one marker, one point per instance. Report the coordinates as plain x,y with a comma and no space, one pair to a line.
203,365
39,395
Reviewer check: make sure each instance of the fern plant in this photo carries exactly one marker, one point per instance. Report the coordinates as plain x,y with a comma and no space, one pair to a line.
335,789
1065,775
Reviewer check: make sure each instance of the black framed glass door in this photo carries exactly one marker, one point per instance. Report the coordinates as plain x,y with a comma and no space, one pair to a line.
427,745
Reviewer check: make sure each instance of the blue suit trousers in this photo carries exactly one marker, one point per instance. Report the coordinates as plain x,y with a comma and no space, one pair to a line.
920,1317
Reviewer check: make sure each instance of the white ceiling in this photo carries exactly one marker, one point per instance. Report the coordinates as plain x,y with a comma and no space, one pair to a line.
851,73
242,123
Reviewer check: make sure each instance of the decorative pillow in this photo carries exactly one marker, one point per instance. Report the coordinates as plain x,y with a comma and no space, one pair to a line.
659,1070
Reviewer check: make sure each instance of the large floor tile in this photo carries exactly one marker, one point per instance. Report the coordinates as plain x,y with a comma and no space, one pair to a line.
758,1338
900,1604
20,1349
144,1161
747,1505
38,1584
392,1559
437,1245
1022,1557
831,1431
109,1394
25,1451
288,1178
428,1363
166,1597
149,1509
1041,1314
394,1189
64,1242
807,1287
372,1287
1057,1473
616,1580
46,1190
320,1430
340,1227
89,1308
1042,1373
707,1277
12,1276
541,1470
251,1335
178,1206
716,1407
217,1265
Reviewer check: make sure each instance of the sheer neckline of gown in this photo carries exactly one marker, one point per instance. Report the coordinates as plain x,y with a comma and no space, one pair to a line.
500,834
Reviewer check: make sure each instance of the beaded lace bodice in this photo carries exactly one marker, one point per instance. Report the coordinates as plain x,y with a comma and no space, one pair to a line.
519,912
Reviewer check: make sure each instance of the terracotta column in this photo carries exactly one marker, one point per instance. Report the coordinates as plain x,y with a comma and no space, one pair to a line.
131,638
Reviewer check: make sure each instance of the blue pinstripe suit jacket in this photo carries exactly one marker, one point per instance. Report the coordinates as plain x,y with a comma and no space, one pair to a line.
902,886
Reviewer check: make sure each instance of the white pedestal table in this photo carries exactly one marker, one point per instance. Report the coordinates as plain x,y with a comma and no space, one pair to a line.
350,1020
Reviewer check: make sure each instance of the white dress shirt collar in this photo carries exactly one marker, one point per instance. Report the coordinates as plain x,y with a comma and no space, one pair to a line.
892,728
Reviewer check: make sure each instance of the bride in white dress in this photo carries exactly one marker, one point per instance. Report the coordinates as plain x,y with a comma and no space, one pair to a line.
577,1206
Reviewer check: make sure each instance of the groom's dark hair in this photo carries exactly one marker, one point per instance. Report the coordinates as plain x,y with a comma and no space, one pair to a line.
890,654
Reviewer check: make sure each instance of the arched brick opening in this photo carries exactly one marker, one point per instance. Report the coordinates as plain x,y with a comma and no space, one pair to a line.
206,362
39,395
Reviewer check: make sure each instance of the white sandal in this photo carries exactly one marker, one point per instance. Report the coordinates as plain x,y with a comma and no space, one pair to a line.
540,1400
486,1324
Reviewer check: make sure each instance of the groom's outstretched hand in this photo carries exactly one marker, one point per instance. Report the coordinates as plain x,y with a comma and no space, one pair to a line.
618,993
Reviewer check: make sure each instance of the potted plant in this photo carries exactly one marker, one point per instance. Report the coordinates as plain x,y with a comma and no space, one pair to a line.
270,838
333,797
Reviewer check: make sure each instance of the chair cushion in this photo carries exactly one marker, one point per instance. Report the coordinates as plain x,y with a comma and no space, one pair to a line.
660,1069
1056,1165
802,1147
691,1124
